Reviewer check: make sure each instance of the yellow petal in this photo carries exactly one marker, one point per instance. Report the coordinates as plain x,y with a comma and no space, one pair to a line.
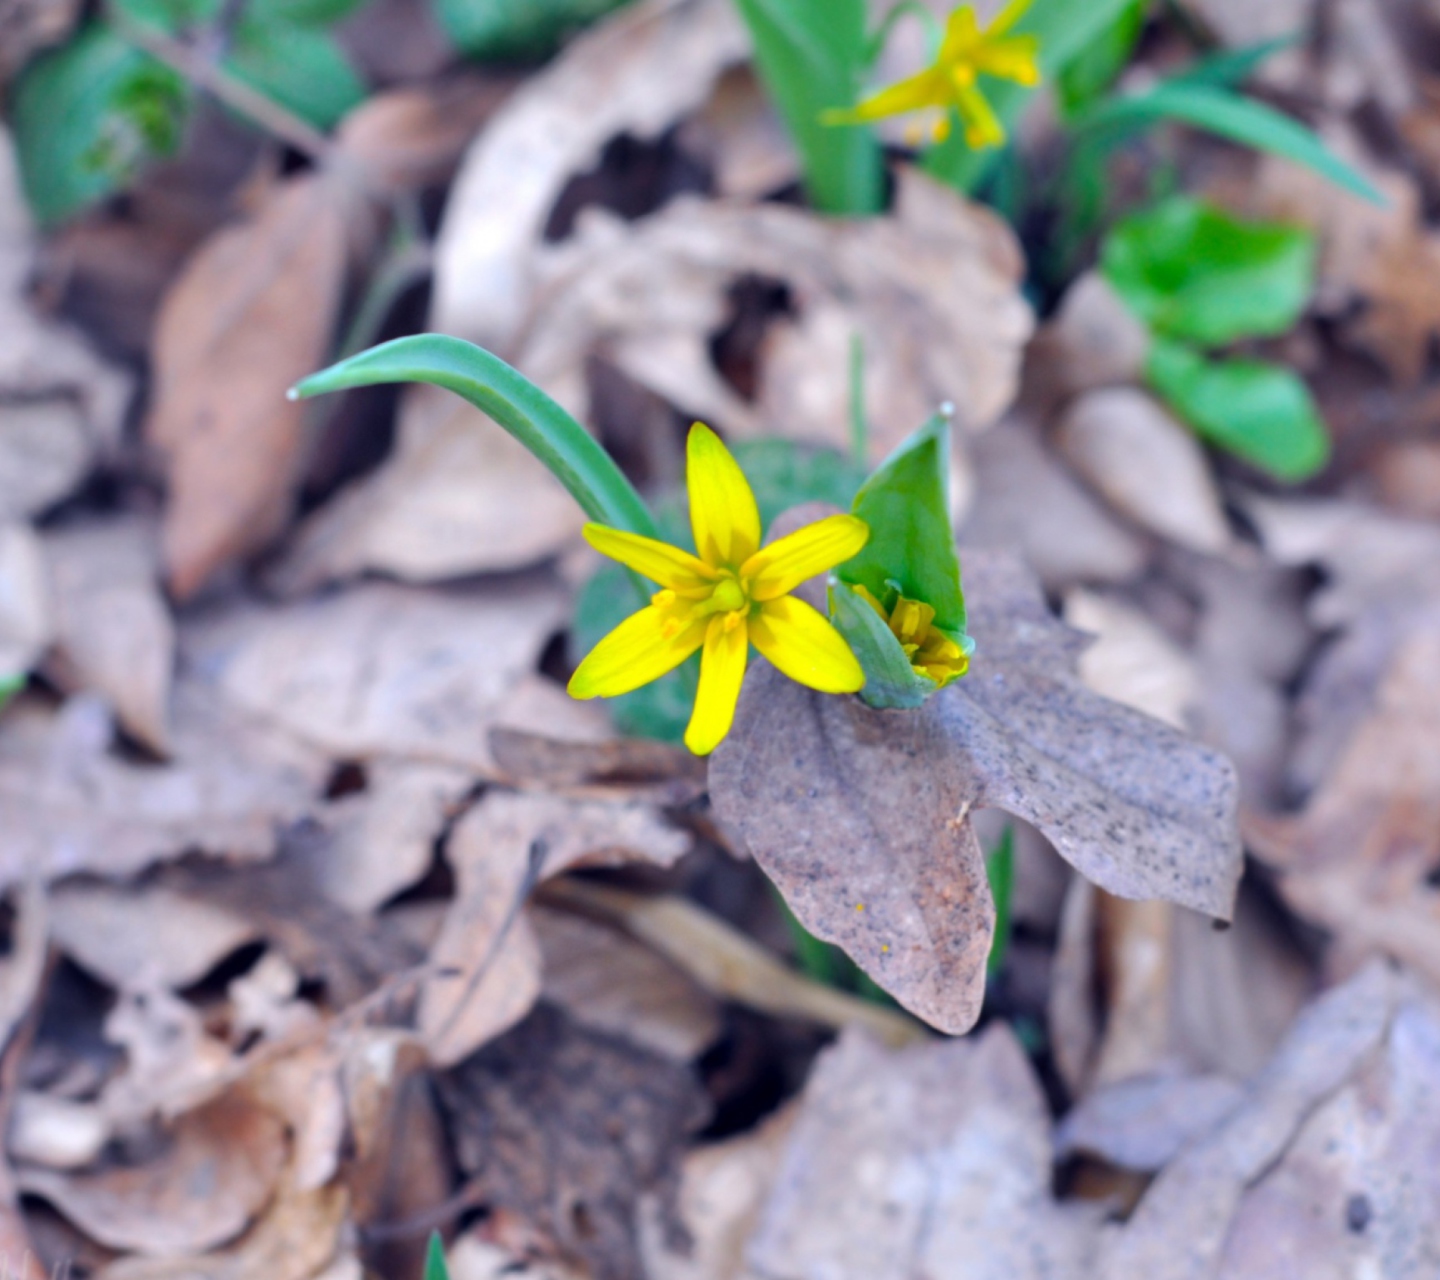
638,651
805,646
982,126
919,91
723,513
962,33
778,569
658,561
722,668
1014,59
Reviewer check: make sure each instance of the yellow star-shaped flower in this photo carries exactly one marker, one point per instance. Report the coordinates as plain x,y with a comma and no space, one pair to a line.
735,593
952,81
931,652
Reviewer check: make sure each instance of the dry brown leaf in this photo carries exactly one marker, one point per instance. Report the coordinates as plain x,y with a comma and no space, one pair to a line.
172,1062
68,804
933,1160
392,672
249,316
27,622
1027,499
1147,465
215,1173
55,1132
1132,804
1094,341
113,631
1144,1122
486,963
608,983
1407,478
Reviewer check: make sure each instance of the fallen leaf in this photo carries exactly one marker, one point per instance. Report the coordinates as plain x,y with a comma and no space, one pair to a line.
172,1062
55,1132
113,631
486,963
932,1160
26,611
249,316
214,1175
1147,465
1132,804
45,451
1094,341
568,1129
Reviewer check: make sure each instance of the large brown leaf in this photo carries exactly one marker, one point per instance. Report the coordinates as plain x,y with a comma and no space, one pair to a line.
861,816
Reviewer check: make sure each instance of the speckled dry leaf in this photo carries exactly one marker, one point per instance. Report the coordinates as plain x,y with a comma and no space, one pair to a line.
143,936
933,1161
173,1064
248,317
1026,498
70,804
214,1173
859,815
486,962
610,983
27,622
1147,465
1179,1230
113,631
394,672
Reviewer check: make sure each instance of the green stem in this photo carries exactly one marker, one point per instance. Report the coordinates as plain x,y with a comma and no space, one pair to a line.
934,32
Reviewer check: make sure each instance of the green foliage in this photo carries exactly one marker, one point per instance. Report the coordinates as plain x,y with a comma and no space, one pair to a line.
1258,411
516,30
88,115
912,544
813,56
891,683
436,1268
1000,870
783,474
9,687
570,452
1091,73
300,67
1192,272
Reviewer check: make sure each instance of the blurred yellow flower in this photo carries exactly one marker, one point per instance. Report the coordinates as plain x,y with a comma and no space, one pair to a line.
931,652
952,81
733,594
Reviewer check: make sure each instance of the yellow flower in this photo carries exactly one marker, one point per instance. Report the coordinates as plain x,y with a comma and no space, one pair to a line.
966,53
930,650
733,594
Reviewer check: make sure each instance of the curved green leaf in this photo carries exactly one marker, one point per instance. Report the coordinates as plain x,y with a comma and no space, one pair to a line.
891,683
571,453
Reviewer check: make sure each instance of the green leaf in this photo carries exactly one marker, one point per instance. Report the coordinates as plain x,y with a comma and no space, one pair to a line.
1000,870
1066,29
812,56
304,13
1192,272
1260,412
519,30
1230,68
436,1267
9,687
1240,119
784,473
88,116
912,544
1098,65
300,67
571,453
891,683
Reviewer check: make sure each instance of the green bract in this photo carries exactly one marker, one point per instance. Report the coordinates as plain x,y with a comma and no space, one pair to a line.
1194,273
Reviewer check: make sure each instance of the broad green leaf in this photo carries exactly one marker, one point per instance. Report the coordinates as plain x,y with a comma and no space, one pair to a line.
1192,272
1066,29
88,116
1098,65
912,545
1240,119
300,67
891,683
1260,412
522,30
436,1267
1000,871
812,56
571,453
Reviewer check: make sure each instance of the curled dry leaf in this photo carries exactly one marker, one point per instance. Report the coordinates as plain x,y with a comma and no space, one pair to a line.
861,817
389,671
69,804
249,316
217,1170
113,631
486,962
1147,464
933,1160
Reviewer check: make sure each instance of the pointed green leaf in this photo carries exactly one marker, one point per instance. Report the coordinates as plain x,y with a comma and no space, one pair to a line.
1000,871
891,683
516,30
1260,412
436,1267
906,504
571,453
1194,273
9,687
